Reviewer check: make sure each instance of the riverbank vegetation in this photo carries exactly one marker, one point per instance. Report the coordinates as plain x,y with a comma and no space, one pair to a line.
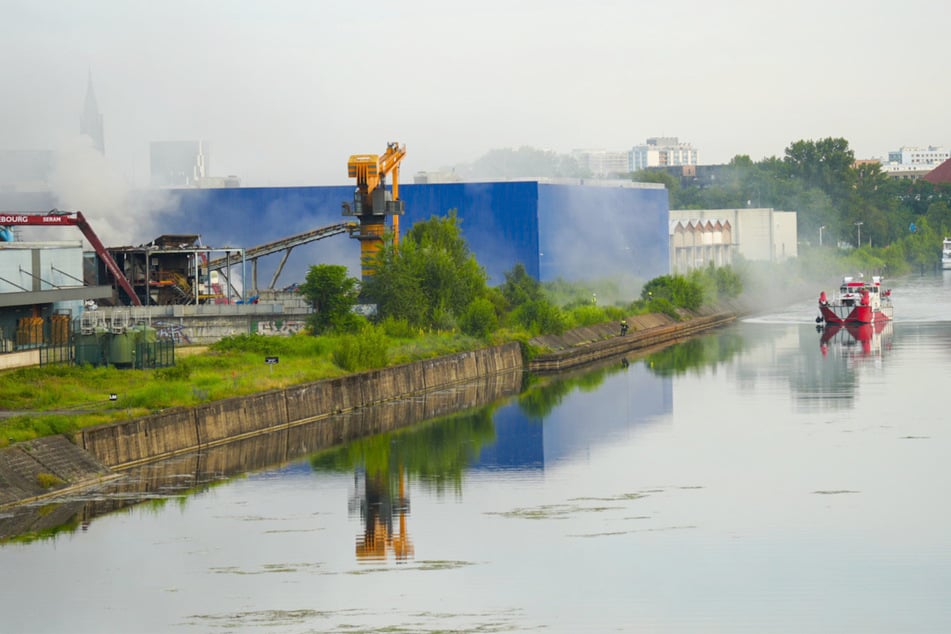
432,299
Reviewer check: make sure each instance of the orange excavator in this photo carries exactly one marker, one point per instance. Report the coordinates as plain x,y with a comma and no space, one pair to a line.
372,203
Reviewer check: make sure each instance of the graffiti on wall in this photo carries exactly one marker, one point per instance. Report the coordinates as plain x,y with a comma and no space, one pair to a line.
282,327
172,331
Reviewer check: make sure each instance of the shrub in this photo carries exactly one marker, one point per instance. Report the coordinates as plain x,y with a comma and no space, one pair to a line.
369,349
179,372
662,305
540,316
398,328
479,319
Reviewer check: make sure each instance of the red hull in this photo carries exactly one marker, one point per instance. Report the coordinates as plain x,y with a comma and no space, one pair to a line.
855,315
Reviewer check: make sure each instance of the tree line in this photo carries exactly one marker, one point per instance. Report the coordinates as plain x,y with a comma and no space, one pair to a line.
432,282
899,222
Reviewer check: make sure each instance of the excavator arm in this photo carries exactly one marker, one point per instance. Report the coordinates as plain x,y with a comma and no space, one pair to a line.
56,218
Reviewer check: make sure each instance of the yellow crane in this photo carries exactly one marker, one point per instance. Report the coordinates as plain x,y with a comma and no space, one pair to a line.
372,203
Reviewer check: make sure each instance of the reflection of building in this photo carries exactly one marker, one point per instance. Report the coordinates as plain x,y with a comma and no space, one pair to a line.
628,398
759,234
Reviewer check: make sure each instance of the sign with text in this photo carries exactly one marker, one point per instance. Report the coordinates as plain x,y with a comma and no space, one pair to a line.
271,360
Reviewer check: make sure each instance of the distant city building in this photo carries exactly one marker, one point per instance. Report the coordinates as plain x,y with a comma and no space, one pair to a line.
661,152
179,163
912,163
602,163
931,155
696,243
424,178
701,236
90,123
940,175
215,182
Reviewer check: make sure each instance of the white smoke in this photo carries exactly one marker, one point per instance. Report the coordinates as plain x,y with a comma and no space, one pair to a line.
84,180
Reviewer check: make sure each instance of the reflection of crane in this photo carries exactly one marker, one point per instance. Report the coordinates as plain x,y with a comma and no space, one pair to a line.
378,509
372,203
56,218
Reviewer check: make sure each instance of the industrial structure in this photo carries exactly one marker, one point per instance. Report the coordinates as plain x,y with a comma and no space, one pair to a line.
700,237
56,218
372,203
554,228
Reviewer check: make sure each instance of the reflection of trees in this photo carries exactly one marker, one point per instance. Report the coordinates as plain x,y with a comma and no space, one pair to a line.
695,353
538,400
436,452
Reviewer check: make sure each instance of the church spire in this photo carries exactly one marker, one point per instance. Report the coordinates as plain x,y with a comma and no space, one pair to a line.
90,123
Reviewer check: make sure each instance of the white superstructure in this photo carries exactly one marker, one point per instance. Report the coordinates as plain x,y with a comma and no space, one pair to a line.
946,254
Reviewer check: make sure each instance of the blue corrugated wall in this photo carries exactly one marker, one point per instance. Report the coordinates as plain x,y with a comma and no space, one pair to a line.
567,231
593,232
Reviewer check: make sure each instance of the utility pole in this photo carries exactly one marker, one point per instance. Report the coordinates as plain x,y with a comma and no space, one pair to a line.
858,228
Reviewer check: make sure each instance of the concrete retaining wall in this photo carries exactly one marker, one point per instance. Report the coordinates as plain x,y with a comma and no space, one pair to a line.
32,469
606,341
121,445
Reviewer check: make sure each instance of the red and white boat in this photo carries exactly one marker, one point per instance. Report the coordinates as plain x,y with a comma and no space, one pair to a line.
857,302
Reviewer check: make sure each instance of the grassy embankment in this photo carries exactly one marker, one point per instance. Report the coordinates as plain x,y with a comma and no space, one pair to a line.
41,401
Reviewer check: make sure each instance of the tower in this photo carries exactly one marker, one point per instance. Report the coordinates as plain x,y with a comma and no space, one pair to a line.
90,123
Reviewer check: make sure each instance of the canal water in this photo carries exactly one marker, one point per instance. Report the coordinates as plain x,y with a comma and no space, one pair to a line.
759,478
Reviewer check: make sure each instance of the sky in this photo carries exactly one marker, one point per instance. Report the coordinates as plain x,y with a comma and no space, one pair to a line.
286,90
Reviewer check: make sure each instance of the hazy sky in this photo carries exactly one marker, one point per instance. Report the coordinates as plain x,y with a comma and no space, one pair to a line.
287,90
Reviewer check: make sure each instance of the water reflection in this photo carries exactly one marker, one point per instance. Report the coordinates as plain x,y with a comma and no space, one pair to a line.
856,340
732,485
191,474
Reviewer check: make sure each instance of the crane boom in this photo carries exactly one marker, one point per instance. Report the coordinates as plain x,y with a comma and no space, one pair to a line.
372,203
56,218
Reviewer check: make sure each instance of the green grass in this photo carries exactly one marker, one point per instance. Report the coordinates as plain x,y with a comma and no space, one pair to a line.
63,399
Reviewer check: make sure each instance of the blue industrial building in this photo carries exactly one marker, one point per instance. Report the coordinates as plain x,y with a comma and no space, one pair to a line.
569,231
574,232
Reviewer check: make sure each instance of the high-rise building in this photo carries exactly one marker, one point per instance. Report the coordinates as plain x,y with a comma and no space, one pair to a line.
931,156
90,123
661,152
179,163
602,163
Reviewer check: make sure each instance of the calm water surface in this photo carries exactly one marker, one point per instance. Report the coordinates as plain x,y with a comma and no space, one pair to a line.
750,480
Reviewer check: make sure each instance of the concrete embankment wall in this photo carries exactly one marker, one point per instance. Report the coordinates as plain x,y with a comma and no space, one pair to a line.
591,344
268,450
51,466
163,435
32,469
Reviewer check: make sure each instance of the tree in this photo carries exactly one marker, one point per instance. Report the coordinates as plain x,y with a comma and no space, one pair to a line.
520,287
827,164
333,296
431,279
